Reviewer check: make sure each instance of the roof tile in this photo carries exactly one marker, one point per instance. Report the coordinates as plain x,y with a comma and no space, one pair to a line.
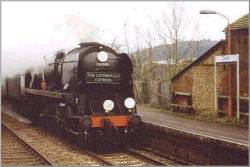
241,23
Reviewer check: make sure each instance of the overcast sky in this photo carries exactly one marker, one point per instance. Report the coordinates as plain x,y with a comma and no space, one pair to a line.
31,30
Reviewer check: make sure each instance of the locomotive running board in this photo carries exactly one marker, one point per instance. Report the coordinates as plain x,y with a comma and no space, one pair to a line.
50,94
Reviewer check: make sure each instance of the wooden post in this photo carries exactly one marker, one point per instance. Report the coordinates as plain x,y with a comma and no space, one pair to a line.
230,101
238,89
215,86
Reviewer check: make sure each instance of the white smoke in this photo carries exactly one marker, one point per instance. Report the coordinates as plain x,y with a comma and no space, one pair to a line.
81,28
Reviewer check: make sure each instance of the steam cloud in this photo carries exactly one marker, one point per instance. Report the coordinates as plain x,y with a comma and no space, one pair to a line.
81,28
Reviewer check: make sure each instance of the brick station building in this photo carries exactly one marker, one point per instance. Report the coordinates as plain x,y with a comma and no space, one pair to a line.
193,87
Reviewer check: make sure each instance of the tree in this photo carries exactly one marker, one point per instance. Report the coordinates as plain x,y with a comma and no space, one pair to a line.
171,29
115,44
142,57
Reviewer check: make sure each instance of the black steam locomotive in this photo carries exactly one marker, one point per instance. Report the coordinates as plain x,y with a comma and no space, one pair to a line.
86,92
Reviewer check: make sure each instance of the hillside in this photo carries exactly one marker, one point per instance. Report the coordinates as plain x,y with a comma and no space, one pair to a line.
196,49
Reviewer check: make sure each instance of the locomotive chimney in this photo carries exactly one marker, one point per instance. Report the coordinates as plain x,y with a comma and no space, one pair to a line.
60,55
86,44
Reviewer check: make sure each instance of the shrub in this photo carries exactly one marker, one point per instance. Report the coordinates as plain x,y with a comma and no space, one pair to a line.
145,92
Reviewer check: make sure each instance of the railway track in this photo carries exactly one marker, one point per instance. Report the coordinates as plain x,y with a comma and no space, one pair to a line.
16,151
62,152
55,149
153,157
120,158
132,157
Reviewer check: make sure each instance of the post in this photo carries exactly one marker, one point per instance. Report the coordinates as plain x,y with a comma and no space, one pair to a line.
229,38
44,68
238,88
230,101
43,84
215,86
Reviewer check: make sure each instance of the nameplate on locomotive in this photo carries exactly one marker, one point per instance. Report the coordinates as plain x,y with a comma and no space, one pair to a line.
103,77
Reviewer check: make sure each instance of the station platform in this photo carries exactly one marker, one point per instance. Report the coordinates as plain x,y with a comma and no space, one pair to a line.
214,130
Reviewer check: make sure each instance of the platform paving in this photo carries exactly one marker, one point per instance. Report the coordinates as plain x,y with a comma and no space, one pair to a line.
215,130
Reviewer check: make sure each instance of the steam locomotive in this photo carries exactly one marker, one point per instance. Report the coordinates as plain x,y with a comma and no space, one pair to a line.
86,92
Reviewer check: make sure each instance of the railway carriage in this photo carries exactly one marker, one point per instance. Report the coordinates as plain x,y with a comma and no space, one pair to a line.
86,92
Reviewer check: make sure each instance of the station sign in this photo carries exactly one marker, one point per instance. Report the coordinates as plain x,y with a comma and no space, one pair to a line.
227,58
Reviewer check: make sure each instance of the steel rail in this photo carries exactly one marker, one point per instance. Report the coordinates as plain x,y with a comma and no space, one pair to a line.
144,157
178,161
99,158
28,145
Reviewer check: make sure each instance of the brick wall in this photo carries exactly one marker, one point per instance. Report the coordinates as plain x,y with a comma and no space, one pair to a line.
187,79
192,149
203,85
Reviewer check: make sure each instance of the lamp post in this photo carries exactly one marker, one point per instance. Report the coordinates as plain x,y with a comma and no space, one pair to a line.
229,106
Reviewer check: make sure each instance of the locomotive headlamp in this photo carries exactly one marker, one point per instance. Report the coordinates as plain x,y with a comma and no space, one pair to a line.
102,56
108,105
129,103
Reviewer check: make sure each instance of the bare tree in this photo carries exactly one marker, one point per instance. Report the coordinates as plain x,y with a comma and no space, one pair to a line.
141,55
172,29
114,43
135,60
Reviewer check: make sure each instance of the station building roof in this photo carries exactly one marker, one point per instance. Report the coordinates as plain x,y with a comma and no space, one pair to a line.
240,23
198,60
